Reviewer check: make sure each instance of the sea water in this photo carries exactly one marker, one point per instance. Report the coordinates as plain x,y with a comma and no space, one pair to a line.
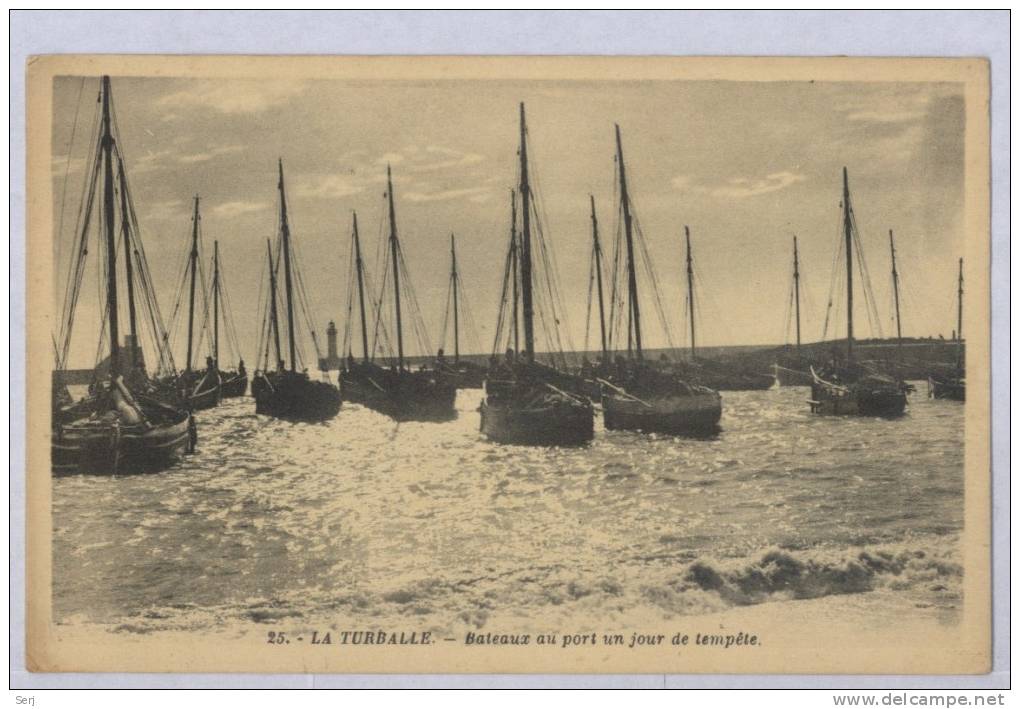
364,522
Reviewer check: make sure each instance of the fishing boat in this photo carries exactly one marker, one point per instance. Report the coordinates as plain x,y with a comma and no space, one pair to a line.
285,392
122,426
198,388
524,403
947,385
793,368
591,372
398,391
714,374
465,374
951,383
849,387
233,382
898,367
637,395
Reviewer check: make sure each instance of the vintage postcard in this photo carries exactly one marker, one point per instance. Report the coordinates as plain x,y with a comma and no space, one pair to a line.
507,364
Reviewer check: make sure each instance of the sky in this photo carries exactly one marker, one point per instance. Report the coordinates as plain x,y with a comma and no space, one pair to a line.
745,165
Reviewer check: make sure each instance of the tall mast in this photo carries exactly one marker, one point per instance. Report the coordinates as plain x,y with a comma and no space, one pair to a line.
216,304
456,321
274,320
959,317
796,288
193,265
394,251
513,266
525,190
849,235
285,231
690,285
361,288
111,242
125,223
627,226
598,278
896,290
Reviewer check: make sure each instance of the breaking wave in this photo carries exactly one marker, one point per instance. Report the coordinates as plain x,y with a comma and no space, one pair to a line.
782,575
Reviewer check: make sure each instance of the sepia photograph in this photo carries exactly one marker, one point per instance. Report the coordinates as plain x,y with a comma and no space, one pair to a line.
508,364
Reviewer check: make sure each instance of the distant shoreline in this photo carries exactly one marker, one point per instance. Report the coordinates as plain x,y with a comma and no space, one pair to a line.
922,349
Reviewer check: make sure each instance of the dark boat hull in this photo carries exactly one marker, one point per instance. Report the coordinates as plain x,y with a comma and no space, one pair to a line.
690,414
233,385
204,399
110,448
295,397
562,424
190,390
406,400
858,399
947,388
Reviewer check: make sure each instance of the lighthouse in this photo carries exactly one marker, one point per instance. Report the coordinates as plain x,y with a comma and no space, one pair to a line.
331,339
332,359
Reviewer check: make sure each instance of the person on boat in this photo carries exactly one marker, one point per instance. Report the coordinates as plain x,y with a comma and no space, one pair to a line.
511,364
240,367
621,369
441,359
211,376
587,371
502,368
835,358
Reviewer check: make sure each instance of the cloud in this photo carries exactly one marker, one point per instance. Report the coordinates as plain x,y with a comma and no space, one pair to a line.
209,154
330,186
412,167
898,147
892,104
447,158
682,183
873,116
739,187
475,193
152,160
166,210
410,159
230,97
389,159
237,208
